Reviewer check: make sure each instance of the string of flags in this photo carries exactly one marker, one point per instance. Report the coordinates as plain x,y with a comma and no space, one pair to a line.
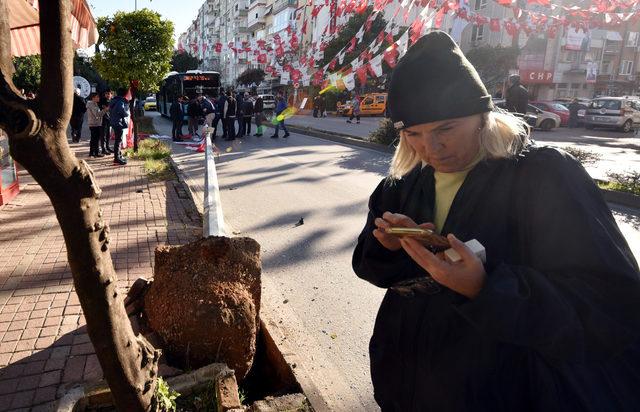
282,57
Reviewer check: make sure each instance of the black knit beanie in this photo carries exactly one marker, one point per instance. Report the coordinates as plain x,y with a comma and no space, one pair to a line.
434,81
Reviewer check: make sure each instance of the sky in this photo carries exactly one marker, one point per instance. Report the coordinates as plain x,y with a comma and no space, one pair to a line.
181,12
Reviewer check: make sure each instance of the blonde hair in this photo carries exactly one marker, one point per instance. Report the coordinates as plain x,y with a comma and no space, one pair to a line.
502,135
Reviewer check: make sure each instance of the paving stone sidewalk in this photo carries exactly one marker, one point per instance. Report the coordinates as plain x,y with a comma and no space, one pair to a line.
44,346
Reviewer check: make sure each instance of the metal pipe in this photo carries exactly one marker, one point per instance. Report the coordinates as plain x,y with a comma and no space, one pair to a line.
213,224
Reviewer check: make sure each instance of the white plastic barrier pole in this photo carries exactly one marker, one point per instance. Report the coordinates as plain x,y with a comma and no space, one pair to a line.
213,224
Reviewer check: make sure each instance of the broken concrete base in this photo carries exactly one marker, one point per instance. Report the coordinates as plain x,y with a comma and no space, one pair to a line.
296,402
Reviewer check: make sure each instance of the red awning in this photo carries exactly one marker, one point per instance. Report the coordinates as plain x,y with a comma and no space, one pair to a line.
25,30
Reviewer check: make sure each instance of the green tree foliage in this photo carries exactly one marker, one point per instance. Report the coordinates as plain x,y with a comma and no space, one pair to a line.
83,66
134,46
493,63
183,61
347,33
27,75
251,76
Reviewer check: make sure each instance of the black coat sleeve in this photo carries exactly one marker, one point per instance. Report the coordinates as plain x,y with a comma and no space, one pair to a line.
576,298
372,261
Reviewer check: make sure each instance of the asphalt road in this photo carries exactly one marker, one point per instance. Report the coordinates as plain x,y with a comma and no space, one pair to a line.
267,187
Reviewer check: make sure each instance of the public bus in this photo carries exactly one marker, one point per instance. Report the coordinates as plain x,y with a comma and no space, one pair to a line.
190,84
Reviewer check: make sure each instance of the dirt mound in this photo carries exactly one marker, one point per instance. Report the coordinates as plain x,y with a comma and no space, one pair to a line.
205,302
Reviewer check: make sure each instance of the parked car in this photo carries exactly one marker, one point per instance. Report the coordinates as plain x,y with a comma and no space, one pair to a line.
556,108
268,101
622,113
531,117
150,103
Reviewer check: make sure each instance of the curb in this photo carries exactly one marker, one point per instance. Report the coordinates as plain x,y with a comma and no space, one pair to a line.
182,178
339,138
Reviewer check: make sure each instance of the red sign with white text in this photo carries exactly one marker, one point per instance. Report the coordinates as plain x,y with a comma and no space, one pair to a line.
536,77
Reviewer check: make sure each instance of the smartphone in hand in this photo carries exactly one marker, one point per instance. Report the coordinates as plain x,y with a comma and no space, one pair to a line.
431,240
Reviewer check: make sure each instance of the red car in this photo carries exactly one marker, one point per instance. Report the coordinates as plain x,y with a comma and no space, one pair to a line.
556,108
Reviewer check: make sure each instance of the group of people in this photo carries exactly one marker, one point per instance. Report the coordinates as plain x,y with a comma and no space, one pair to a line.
227,110
105,112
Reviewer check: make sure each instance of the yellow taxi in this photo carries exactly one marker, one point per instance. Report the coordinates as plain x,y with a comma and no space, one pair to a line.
150,103
371,104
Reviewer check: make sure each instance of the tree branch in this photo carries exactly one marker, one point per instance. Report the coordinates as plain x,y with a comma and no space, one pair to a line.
56,91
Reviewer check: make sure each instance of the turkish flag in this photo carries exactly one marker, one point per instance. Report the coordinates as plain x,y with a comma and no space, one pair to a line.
218,47
262,58
352,45
362,7
332,63
361,72
494,25
389,38
391,56
416,30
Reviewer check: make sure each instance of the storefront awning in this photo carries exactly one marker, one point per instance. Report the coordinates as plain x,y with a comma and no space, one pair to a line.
25,31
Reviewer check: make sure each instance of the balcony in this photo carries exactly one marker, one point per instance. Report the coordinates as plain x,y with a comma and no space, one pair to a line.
256,17
612,48
280,5
241,12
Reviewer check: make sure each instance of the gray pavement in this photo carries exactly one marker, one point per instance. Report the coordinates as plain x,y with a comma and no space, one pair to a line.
325,312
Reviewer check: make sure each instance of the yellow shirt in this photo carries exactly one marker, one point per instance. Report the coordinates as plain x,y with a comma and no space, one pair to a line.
447,186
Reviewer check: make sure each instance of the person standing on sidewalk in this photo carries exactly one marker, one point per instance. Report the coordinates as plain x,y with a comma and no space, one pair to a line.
94,118
247,113
105,134
209,111
77,116
281,106
239,114
119,118
517,99
230,116
258,107
177,116
221,102
355,109
194,111
322,106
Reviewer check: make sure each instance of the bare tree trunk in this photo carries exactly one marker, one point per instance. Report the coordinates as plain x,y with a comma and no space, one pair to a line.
38,140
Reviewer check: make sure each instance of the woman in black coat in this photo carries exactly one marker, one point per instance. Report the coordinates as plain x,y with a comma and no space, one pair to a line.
547,319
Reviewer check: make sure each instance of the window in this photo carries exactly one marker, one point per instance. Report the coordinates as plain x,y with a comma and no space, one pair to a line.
632,40
626,67
477,33
256,15
481,4
570,56
280,21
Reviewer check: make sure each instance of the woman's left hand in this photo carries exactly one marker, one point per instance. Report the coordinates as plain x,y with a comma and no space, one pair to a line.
465,276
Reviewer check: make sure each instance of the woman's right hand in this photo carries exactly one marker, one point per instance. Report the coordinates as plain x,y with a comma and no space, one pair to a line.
388,220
